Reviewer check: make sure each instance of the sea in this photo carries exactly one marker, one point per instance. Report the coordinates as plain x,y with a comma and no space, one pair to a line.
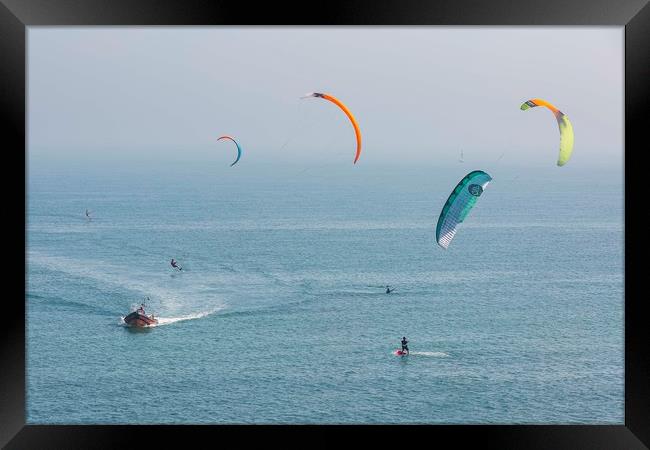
280,313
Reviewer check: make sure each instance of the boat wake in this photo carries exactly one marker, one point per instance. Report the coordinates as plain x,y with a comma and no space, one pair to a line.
171,301
170,320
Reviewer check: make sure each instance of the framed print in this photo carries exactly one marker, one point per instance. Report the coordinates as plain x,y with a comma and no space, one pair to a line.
242,221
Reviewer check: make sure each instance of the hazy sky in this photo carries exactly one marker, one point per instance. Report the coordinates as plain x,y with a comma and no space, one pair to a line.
419,93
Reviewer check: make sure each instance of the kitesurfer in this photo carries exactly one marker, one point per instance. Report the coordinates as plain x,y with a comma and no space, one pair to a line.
389,290
405,348
175,265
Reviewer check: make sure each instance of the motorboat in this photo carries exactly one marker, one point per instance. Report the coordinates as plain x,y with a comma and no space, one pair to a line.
139,318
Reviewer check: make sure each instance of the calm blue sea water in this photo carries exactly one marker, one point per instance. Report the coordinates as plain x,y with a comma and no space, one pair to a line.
280,315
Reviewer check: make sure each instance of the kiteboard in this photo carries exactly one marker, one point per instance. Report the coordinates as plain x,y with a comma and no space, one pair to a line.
400,353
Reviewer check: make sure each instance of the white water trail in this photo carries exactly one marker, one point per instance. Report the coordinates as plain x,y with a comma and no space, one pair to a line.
429,354
170,298
170,320
432,354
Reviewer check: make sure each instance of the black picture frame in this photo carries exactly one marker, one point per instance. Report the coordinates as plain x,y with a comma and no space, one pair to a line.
634,15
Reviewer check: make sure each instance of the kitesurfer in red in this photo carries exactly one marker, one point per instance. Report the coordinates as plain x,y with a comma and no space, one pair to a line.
405,347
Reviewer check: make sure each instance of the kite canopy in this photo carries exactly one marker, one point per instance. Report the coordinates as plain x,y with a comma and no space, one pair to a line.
238,147
566,130
460,202
345,109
